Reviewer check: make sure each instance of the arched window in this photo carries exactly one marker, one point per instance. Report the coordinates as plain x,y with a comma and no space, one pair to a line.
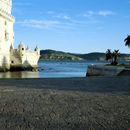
5,23
6,35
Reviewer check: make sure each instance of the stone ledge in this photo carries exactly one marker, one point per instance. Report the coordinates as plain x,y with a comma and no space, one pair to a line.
102,70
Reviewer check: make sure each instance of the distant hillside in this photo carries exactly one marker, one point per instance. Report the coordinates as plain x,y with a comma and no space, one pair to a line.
59,55
92,56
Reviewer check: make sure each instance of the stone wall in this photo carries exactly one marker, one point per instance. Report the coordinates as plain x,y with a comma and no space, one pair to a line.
102,70
30,58
4,62
23,59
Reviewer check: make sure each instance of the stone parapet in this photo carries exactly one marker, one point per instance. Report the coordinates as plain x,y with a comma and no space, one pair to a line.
102,70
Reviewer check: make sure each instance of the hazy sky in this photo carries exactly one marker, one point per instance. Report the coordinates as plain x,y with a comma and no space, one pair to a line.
79,26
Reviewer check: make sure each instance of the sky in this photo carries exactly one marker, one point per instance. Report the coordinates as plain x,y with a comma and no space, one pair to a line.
77,26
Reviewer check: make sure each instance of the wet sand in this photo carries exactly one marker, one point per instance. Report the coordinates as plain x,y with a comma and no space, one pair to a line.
92,103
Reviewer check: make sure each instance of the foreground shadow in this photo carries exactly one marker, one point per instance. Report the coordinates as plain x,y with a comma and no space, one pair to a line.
119,84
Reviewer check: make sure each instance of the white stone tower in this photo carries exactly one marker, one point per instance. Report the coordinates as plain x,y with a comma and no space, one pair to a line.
10,58
6,32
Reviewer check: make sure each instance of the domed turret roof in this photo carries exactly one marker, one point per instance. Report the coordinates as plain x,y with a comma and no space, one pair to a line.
21,45
36,49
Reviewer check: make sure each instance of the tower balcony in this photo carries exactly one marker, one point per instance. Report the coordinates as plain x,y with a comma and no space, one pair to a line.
6,15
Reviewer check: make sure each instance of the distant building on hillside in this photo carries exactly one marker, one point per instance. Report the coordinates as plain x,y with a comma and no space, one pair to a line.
10,58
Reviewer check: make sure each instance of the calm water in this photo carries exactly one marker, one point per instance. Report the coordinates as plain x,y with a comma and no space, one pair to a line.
48,69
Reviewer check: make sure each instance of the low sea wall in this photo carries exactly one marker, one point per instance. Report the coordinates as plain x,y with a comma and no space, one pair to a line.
102,70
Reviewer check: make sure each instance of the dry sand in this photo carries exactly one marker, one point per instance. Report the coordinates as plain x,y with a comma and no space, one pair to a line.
92,103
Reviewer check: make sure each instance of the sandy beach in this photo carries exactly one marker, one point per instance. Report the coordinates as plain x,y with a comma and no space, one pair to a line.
92,103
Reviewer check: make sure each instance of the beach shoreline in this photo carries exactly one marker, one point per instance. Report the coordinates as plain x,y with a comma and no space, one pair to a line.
65,103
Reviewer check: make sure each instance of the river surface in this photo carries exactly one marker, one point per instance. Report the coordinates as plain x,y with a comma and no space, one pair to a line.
54,69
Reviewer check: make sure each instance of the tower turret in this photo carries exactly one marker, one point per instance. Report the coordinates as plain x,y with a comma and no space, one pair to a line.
21,46
37,50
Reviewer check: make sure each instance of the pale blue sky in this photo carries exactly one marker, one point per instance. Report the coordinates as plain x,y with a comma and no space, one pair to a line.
79,26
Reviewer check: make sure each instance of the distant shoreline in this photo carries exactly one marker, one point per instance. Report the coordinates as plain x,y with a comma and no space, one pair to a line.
60,55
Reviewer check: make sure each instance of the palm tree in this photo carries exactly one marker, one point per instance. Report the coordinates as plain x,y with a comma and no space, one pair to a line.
112,56
115,56
108,54
127,41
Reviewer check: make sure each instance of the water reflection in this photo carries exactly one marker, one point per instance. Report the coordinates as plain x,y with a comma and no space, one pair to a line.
19,74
